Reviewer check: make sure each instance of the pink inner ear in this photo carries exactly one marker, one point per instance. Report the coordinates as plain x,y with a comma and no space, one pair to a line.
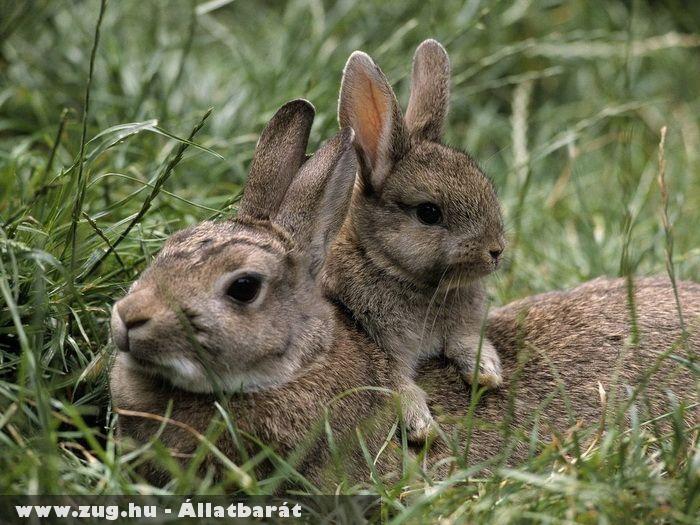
371,109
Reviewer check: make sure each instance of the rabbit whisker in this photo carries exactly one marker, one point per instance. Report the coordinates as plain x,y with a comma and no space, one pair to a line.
430,304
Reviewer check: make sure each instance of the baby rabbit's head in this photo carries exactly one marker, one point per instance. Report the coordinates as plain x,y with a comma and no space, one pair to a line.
421,208
234,306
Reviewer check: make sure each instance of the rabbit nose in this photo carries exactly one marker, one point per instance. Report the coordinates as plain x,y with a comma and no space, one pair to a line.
132,323
130,313
133,315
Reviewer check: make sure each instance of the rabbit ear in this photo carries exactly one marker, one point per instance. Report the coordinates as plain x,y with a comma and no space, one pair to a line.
318,199
430,91
278,155
368,105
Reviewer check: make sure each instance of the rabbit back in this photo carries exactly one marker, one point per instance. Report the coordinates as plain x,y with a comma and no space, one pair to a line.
557,348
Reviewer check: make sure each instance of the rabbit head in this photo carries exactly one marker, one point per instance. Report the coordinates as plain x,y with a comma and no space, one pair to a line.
233,306
421,208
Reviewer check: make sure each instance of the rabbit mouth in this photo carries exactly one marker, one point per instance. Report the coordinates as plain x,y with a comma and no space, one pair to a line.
145,366
463,270
473,267
463,274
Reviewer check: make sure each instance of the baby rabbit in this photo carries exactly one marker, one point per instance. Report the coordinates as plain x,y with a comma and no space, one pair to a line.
233,307
424,227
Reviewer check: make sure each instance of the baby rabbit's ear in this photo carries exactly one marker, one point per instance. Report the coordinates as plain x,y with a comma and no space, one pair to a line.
280,152
368,105
318,199
430,91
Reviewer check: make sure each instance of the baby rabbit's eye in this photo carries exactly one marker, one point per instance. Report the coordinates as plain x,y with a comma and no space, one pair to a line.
244,289
428,213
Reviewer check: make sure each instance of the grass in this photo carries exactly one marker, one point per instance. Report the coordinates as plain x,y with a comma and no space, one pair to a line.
106,149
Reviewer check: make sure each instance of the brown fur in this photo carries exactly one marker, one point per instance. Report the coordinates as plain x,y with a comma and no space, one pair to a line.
430,80
182,335
287,134
561,345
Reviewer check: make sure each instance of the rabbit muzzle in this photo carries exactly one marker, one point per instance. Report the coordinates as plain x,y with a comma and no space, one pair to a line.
132,319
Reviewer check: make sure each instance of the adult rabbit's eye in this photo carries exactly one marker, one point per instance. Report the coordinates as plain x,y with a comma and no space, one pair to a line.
244,289
428,213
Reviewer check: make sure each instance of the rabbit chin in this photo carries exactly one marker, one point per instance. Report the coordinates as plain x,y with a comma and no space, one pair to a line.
180,372
460,276
188,375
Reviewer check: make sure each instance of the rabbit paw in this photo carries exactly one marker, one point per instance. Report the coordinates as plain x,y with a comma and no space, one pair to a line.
420,424
490,372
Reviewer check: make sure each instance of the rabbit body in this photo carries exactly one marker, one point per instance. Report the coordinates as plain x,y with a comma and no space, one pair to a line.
284,360
231,311
423,230
404,320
